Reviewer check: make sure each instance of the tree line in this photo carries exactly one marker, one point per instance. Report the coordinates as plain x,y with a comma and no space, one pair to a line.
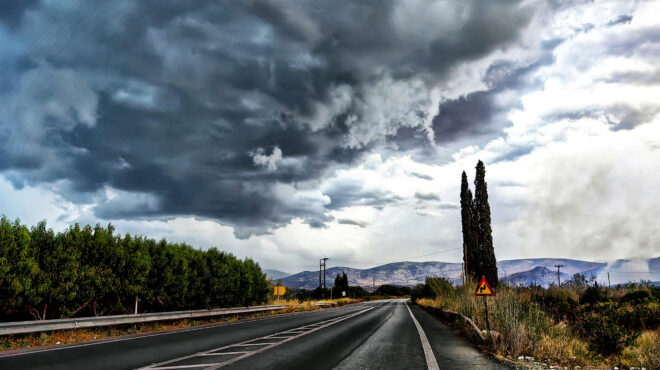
479,254
85,271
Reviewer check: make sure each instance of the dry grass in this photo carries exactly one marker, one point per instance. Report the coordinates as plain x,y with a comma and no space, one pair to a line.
524,329
645,352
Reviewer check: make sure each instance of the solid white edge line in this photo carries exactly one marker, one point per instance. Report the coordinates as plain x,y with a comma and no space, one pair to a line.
431,363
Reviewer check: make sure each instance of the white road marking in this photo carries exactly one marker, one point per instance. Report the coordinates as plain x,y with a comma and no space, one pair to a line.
176,331
186,366
431,363
255,344
211,366
223,353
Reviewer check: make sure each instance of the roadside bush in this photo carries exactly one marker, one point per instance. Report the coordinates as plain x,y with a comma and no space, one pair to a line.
560,303
636,296
420,291
593,294
606,331
393,290
440,286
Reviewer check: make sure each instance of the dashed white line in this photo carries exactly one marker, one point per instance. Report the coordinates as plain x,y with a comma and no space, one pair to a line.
244,354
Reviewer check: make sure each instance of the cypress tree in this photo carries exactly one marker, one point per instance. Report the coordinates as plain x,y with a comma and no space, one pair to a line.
482,227
469,237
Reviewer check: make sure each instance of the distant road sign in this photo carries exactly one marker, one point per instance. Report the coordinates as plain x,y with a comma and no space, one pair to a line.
343,293
483,288
279,290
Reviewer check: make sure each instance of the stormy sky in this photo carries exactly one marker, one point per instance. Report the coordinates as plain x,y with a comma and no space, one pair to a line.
287,131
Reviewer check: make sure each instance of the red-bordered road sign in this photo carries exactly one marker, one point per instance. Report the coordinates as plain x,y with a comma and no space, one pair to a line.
483,288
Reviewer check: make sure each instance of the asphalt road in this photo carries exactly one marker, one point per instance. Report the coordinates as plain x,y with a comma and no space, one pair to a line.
373,335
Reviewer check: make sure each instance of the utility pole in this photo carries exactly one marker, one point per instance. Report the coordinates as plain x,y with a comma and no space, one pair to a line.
322,264
558,276
373,281
608,281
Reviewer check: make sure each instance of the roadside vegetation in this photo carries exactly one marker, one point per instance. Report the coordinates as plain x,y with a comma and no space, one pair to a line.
91,271
578,324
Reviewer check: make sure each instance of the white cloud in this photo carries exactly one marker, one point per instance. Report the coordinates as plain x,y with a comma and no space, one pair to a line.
388,104
268,161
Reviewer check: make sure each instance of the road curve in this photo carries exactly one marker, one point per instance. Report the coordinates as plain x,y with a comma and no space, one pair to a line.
370,335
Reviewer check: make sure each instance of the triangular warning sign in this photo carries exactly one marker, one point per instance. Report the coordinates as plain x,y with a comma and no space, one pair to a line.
483,288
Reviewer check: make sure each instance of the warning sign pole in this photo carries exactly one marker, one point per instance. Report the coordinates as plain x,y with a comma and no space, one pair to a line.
486,309
484,289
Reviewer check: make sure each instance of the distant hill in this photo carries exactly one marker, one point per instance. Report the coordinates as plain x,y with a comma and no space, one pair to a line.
623,271
399,273
519,272
272,274
570,266
539,275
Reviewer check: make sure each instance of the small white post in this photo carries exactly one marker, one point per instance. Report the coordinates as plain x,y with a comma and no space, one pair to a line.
136,303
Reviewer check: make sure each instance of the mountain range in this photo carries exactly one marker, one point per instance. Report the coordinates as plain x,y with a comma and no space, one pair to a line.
540,271
273,274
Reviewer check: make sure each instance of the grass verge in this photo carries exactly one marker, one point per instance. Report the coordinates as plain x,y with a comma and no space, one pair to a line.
563,327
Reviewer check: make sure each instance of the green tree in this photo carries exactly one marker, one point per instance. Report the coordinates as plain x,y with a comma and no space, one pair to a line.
88,270
341,285
470,243
486,252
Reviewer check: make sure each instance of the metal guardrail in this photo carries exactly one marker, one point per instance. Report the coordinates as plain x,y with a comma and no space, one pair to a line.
24,327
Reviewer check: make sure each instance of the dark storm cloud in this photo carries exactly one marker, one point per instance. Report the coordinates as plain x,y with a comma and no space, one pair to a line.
348,221
427,196
421,176
11,11
169,103
346,194
478,115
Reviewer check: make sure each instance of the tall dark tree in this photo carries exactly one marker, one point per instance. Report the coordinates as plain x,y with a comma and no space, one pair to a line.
482,229
341,285
469,237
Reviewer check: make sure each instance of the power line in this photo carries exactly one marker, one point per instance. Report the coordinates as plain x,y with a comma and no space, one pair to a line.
634,272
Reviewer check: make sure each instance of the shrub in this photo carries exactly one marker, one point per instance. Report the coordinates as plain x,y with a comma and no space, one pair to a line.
593,294
421,291
559,303
604,328
440,286
636,296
